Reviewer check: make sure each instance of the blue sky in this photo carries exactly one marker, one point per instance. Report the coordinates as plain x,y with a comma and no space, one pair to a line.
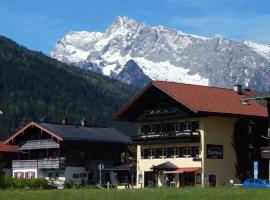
38,24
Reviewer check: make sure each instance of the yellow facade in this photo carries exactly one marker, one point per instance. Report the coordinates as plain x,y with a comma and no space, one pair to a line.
219,130
213,131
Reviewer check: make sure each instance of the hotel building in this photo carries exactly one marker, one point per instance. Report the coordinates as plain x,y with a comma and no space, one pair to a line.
185,133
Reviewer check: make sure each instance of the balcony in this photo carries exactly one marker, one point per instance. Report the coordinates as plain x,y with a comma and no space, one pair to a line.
167,137
39,164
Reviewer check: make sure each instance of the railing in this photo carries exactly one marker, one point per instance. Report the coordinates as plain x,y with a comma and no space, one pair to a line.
167,136
39,164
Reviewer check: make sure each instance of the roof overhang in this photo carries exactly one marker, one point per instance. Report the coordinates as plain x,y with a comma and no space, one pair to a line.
118,115
31,124
8,148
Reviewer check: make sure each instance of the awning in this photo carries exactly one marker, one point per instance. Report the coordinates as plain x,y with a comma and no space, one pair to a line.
182,170
165,166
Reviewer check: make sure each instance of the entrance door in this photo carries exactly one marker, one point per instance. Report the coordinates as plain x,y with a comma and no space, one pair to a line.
212,180
187,179
149,179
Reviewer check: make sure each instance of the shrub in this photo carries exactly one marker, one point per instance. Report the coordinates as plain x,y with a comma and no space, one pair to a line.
16,183
68,184
82,182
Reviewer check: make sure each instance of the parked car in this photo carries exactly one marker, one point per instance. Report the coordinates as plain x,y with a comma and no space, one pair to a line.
255,182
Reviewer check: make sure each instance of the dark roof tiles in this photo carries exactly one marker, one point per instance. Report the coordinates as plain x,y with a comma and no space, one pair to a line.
79,133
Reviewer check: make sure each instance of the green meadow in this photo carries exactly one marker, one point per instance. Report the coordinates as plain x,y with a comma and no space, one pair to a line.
140,194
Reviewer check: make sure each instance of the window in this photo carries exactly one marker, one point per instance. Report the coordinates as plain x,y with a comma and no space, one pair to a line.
170,152
163,128
158,128
153,129
146,153
29,175
158,153
185,127
76,175
18,175
195,126
152,153
142,129
180,152
177,128
83,175
187,152
171,127
165,153
147,129
195,151
182,126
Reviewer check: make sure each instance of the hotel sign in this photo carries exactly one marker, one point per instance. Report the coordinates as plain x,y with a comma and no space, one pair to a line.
214,151
265,152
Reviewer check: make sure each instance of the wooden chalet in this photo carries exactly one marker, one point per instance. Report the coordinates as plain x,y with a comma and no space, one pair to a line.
60,151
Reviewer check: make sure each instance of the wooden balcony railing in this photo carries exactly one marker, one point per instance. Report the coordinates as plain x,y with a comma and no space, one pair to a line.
179,136
39,164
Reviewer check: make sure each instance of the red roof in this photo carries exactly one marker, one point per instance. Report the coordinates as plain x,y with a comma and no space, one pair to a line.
8,148
206,99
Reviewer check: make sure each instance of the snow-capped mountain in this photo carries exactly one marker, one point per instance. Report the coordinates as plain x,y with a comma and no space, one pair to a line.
135,53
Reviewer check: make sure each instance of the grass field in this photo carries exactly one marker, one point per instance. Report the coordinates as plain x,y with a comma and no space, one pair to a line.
145,194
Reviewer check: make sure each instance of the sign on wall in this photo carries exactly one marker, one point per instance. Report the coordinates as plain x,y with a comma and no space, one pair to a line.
214,151
265,152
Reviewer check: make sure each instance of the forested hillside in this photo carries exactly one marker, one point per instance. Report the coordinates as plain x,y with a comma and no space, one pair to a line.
36,87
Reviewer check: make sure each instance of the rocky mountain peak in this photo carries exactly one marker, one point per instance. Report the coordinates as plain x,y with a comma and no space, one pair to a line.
161,53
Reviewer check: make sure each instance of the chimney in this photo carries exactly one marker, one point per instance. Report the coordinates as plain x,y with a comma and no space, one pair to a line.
238,88
83,123
64,121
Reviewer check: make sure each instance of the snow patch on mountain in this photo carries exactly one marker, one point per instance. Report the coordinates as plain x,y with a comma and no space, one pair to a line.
262,49
166,54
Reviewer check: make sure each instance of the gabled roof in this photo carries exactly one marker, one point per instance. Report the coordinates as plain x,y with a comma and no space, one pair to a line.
8,148
31,124
77,133
204,99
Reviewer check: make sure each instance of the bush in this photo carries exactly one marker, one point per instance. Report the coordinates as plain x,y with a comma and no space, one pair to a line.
17,183
68,184
82,182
